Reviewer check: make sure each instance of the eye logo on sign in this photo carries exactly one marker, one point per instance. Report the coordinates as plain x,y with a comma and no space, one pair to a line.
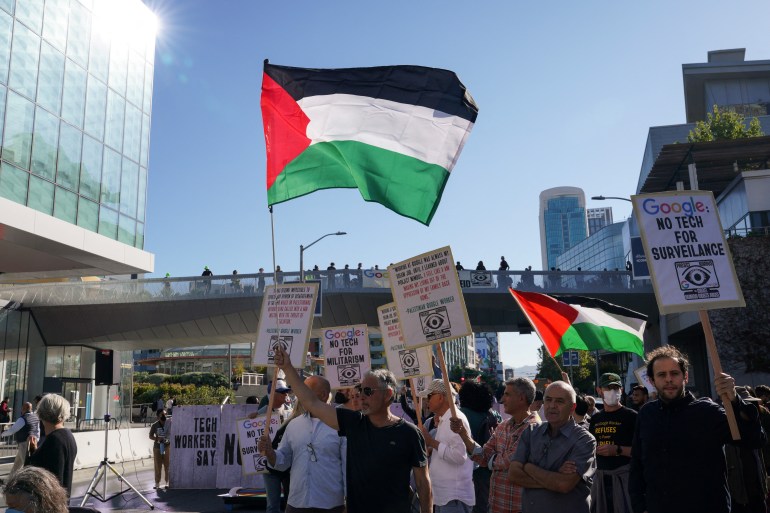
409,362
349,375
481,279
435,323
260,462
698,279
276,341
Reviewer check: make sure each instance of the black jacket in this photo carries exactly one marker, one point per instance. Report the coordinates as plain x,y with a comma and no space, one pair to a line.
677,458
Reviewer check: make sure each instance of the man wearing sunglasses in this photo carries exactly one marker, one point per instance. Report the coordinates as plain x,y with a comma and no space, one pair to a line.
382,451
315,455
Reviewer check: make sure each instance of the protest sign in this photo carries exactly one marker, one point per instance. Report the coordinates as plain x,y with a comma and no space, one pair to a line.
687,255
346,354
249,433
193,461
476,279
429,300
229,470
402,361
285,320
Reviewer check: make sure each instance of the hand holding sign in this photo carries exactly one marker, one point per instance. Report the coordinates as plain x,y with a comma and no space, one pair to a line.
725,386
281,359
265,447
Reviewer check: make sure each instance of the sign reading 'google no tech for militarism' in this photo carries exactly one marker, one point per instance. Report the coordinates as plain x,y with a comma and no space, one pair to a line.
689,260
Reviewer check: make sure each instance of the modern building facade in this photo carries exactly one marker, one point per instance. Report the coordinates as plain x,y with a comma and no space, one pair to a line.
76,80
598,218
602,251
75,112
563,222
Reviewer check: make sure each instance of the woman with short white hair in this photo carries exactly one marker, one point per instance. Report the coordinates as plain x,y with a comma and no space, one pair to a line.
34,490
58,451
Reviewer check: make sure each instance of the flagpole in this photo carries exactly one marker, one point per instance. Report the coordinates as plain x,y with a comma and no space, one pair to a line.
534,327
275,369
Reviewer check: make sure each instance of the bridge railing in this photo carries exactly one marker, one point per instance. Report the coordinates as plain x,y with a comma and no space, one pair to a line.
251,285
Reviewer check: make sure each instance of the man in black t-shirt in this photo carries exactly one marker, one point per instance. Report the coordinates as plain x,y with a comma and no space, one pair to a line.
382,449
613,429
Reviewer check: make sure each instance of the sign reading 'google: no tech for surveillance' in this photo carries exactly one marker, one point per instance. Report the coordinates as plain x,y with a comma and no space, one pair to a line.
689,260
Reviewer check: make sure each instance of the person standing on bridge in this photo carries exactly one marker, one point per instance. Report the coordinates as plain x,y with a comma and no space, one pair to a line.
503,264
207,274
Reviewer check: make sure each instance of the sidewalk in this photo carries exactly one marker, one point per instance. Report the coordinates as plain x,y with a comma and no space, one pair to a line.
140,474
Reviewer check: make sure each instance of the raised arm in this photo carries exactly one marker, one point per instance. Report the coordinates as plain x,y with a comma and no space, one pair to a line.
317,408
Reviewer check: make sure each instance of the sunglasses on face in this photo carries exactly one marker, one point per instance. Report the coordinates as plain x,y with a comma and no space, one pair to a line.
369,391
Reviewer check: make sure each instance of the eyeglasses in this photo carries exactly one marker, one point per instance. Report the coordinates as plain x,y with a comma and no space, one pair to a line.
369,391
311,450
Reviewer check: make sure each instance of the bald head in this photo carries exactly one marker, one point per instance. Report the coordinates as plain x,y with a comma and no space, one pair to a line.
320,387
26,408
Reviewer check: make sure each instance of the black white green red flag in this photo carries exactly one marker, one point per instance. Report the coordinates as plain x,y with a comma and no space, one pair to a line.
576,322
392,132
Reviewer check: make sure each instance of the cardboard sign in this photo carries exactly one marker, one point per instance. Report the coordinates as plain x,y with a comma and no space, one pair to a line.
403,362
346,355
285,320
421,384
249,433
688,257
476,279
193,459
430,302
644,380
375,279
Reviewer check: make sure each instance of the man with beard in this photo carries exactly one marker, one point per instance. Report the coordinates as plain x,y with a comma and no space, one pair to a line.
678,460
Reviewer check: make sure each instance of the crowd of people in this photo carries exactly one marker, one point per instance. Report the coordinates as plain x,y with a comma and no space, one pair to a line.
555,452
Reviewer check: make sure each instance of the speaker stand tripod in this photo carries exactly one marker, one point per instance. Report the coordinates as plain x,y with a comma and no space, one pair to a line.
104,465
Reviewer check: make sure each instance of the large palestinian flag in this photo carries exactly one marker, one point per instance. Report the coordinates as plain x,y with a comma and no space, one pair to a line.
575,322
393,132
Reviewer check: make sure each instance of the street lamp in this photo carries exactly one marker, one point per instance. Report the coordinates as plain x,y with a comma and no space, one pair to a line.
302,252
600,198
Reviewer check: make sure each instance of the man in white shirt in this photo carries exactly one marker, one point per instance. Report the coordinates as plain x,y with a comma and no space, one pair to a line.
451,470
27,426
316,456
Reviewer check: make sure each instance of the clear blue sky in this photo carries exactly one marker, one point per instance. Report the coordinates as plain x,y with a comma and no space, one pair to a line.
566,93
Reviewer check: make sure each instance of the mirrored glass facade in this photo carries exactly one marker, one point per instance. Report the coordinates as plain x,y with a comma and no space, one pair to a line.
565,226
75,102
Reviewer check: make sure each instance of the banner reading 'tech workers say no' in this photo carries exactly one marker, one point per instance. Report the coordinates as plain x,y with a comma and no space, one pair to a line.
429,299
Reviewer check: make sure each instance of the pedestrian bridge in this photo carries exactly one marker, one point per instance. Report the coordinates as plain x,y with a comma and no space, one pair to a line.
159,312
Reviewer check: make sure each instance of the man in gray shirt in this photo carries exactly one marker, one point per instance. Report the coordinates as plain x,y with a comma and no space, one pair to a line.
555,461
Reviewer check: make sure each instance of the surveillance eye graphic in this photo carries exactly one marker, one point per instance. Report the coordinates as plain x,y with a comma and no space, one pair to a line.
260,462
697,276
480,279
435,323
349,375
409,362
282,341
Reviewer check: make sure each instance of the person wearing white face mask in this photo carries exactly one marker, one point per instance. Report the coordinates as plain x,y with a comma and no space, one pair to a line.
613,429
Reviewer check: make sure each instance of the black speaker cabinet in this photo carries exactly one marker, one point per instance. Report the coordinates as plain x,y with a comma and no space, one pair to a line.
107,367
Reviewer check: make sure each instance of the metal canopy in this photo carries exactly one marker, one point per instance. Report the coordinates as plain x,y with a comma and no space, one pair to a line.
716,162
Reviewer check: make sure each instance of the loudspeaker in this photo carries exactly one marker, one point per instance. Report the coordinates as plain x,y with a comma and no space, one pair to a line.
107,367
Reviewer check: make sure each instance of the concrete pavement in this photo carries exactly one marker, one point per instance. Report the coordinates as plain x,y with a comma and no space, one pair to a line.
141,475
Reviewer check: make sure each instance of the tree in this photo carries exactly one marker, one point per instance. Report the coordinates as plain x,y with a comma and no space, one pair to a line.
583,376
722,125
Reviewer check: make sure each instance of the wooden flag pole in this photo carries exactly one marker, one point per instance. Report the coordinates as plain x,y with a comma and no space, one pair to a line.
417,403
275,369
445,375
711,348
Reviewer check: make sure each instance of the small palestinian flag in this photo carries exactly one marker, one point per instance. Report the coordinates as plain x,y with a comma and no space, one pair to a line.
392,132
574,322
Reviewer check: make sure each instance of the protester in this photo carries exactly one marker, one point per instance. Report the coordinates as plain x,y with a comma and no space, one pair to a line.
639,397
746,475
555,461
382,449
476,404
763,392
160,431
480,266
261,280
497,452
315,454
275,480
35,490
592,409
537,402
503,264
451,471
613,429
27,426
678,461
581,411
58,451
459,266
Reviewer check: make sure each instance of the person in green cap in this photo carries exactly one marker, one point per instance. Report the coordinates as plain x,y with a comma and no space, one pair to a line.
613,429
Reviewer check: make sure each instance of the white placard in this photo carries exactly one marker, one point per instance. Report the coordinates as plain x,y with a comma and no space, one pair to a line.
285,319
346,354
375,278
249,433
476,279
403,362
430,302
688,257
421,384
193,459
229,470
644,380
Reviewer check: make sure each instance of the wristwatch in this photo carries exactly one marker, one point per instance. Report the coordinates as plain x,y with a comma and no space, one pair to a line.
619,451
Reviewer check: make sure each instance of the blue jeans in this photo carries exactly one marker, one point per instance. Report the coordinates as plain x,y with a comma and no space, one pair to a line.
454,506
273,490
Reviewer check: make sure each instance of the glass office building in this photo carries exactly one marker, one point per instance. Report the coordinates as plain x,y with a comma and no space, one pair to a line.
563,222
75,100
